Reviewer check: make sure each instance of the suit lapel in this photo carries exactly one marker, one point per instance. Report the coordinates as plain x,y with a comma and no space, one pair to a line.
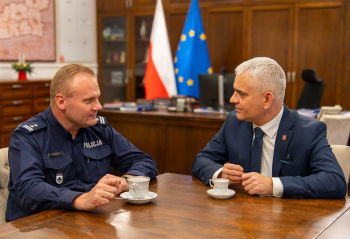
245,144
284,135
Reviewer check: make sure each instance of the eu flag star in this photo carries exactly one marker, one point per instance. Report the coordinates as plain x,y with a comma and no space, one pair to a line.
202,37
192,33
210,70
190,82
176,70
181,79
183,37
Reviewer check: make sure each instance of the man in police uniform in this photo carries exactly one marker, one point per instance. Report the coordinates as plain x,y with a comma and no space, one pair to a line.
61,158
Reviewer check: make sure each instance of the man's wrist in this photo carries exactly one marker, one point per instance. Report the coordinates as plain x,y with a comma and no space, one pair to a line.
126,176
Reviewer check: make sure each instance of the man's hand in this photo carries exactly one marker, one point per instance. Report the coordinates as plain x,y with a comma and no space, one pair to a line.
104,191
233,172
255,183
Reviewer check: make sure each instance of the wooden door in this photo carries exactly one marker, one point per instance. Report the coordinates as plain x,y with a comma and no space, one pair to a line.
345,83
225,37
319,46
270,35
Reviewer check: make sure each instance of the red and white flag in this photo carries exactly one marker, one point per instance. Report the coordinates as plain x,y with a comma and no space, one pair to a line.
159,76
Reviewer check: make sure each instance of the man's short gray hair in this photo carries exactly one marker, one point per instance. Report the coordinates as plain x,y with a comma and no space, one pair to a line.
267,74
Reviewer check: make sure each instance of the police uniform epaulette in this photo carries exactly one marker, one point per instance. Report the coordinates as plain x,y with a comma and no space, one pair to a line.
101,120
32,127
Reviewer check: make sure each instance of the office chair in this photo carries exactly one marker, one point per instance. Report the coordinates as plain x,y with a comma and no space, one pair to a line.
312,93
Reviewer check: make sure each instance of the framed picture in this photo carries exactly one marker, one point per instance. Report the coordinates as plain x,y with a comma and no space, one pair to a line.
117,77
27,27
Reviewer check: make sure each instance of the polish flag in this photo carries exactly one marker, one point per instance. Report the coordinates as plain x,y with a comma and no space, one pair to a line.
159,76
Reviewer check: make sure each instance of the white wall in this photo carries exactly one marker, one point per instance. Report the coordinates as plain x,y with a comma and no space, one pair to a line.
42,70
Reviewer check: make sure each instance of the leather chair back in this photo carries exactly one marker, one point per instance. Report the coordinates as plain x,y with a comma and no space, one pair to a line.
312,93
342,153
338,128
4,180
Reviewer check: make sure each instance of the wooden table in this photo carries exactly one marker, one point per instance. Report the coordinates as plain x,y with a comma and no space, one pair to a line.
173,139
183,209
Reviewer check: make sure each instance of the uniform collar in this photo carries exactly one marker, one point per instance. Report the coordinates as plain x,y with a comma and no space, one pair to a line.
270,128
58,127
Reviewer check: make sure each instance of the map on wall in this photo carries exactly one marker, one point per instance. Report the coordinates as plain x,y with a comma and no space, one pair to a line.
27,27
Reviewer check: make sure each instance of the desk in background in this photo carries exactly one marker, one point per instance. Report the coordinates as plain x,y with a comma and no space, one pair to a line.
183,209
172,139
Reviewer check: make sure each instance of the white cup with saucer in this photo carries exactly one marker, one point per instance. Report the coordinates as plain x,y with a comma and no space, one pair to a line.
220,185
138,186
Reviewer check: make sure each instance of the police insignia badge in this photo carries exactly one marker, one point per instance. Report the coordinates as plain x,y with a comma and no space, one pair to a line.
59,178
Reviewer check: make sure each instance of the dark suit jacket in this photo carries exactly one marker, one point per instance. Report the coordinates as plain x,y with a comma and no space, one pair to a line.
313,172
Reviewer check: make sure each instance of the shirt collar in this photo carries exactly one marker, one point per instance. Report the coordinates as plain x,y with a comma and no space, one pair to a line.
270,128
58,127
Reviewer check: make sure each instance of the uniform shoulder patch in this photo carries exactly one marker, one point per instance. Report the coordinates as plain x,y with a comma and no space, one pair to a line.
101,120
30,128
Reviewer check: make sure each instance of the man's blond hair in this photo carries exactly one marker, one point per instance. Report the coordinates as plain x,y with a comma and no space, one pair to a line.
62,80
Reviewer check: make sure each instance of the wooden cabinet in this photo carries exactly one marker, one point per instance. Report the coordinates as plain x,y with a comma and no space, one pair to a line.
112,6
19,101
123,51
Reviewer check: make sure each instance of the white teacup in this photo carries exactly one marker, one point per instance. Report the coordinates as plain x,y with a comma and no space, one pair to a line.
138,186
220,185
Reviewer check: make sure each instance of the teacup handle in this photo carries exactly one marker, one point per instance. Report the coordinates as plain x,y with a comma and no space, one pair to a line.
134,185
210,183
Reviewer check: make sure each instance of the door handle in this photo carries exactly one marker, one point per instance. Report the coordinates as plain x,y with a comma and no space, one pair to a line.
288,77
293,77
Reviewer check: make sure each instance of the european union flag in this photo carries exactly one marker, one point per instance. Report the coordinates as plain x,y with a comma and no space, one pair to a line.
192,56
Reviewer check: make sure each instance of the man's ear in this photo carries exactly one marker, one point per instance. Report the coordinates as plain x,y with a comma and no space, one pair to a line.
269,98
60,101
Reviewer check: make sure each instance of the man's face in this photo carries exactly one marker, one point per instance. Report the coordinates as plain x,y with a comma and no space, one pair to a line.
81,108
248,102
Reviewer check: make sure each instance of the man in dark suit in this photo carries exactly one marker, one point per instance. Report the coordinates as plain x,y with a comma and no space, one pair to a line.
268,148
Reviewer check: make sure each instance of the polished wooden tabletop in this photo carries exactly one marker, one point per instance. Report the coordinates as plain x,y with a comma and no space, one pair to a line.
183,209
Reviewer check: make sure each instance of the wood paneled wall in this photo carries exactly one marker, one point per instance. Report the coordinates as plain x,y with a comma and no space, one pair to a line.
298,34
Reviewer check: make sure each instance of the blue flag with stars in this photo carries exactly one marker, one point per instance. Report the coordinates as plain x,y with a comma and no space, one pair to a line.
192,56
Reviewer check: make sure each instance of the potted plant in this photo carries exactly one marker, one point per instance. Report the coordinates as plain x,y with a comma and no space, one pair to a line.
22,68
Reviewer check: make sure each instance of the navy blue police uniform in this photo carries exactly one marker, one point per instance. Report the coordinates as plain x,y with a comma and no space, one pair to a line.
48,169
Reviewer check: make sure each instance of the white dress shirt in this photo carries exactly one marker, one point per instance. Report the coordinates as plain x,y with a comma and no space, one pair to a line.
269,139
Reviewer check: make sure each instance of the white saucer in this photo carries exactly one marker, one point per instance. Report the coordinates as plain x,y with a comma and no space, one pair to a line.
147,198
227,195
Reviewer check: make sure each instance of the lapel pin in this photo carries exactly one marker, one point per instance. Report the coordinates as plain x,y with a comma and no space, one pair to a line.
284,137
